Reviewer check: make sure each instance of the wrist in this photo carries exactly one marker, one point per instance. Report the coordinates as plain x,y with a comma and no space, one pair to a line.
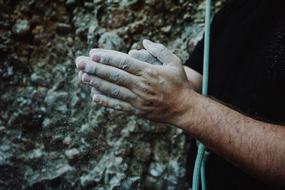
188,116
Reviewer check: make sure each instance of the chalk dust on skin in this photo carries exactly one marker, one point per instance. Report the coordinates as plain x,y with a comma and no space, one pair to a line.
114,76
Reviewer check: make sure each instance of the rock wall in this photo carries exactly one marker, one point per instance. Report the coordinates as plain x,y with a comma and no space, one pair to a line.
51,135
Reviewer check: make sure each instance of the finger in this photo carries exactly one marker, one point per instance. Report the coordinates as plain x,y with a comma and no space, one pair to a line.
80,75
143,105
145,56
108,88
138,54
105,72
162,53
119,60
114,103
95,91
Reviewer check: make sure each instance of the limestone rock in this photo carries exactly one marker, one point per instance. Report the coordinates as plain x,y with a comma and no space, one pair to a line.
112,41
21,27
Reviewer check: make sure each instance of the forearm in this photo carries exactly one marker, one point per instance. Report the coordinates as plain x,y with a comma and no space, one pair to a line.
194,77
254,146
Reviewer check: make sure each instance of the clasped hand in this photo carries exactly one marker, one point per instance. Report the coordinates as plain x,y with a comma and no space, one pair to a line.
150,83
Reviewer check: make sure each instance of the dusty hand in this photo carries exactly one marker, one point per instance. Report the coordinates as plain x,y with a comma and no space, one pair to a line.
153,91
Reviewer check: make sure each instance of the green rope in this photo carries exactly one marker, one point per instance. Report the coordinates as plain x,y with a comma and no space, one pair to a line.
206,48
201,158
203,170
197,167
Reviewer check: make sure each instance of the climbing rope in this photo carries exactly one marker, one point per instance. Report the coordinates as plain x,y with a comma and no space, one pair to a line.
199,174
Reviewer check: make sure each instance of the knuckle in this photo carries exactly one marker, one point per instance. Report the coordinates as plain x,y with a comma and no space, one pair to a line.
124,63
140,103
114,76
134,99
137,102
104,59
130,82
127,96
142,86
117,107
148,103
150,72
94,82
115,92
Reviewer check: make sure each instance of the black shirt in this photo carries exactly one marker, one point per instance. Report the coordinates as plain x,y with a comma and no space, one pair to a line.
247,72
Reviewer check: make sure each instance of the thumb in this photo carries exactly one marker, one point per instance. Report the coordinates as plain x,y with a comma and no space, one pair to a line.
162,53
144,56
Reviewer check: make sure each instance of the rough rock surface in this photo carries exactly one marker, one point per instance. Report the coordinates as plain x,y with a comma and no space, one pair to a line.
51,135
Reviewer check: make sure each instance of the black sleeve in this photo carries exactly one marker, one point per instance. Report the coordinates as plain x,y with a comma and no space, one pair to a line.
219,20
196,58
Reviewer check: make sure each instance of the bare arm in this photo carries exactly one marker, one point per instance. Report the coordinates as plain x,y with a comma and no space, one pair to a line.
194,77
256,147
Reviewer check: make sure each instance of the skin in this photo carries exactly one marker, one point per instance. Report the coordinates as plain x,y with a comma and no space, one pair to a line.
167,93
193,77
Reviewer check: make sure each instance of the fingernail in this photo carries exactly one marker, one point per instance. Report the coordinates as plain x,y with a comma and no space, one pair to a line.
132,52
96,98
96,58
95,91
147,41
80,74
81,65
86,78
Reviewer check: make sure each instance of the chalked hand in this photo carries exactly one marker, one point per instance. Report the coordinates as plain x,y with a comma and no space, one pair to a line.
156,92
